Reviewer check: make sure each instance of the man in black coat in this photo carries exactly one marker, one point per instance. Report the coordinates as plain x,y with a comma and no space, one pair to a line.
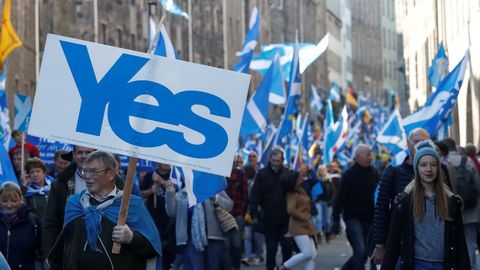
355,200
69,182
269,198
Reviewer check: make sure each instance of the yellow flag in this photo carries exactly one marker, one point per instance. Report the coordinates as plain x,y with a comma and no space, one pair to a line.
350,98
9,39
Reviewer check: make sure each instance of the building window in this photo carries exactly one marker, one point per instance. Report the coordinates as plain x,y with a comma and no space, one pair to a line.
104,33
119,37
280,4
132,41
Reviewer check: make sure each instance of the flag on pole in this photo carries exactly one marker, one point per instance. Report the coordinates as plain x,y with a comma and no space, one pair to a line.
172,7
439,68
302,150
4,117
293,98
198,185
162,45
439,106
9,39
278,93
255,116
393,136
334,93
6,169
308,53
336,136
350,98
23,111
315,100
251,39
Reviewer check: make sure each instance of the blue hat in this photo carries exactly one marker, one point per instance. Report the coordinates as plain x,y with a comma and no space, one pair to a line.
424,148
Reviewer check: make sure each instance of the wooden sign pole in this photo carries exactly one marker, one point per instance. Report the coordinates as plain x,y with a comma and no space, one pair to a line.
127,191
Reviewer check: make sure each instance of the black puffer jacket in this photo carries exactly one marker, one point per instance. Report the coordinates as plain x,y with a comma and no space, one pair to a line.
392,182
401,237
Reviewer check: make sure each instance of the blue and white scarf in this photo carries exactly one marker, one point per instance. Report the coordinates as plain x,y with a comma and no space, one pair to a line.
35,189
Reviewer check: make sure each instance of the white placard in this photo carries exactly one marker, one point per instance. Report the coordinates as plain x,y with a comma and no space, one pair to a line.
138,104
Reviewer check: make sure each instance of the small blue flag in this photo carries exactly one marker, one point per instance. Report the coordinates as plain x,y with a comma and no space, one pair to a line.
173,8
243,65
23,111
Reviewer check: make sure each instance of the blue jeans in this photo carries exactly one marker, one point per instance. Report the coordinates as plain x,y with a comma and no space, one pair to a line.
471,239
210,258
357,232
427,265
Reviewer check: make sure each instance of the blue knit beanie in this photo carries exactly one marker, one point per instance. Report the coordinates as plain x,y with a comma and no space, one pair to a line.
424,148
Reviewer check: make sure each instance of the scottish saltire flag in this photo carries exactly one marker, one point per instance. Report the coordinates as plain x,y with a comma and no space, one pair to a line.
255,116
439,106
4,117
393,136
302,156
308,53
400,157
162,45
173,8
6,169
315,100
199,185
264,156
336,136
251,40
23,111
439,68
334,93
294,92
278,93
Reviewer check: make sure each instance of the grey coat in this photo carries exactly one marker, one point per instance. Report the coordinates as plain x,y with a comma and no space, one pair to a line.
176,205
472,215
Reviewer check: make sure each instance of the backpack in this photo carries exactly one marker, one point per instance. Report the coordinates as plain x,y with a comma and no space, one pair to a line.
466,185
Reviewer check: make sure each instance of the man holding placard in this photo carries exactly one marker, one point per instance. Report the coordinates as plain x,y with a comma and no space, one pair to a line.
90,224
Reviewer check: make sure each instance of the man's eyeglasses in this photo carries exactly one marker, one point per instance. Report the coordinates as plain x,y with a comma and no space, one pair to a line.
91,172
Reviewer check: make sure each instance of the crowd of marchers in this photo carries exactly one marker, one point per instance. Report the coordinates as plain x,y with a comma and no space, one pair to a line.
422,214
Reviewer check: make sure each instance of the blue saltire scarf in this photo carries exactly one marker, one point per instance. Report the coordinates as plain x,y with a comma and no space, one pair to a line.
34,189
138,219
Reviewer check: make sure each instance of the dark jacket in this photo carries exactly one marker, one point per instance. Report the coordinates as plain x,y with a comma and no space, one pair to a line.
401,237
79,256
20,241
269,194
355,195
60,191
392,182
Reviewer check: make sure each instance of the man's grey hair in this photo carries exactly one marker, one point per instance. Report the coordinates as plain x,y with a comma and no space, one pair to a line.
107,159
360,148
417,130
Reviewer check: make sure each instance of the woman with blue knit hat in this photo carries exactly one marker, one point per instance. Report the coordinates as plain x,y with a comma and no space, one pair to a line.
426,230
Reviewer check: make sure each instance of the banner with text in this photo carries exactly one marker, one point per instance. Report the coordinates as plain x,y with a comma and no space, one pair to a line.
137,104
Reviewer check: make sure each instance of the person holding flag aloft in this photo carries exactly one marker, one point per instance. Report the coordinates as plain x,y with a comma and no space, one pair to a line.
300,226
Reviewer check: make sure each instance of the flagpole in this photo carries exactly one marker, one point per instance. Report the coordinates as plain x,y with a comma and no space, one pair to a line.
37,43
22,161
127,192
190,41
95,20
225,48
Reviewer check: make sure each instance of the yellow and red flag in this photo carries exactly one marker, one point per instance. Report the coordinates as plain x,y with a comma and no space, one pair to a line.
350,98
9,39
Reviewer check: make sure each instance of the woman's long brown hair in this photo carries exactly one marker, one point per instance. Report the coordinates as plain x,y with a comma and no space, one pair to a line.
441,195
